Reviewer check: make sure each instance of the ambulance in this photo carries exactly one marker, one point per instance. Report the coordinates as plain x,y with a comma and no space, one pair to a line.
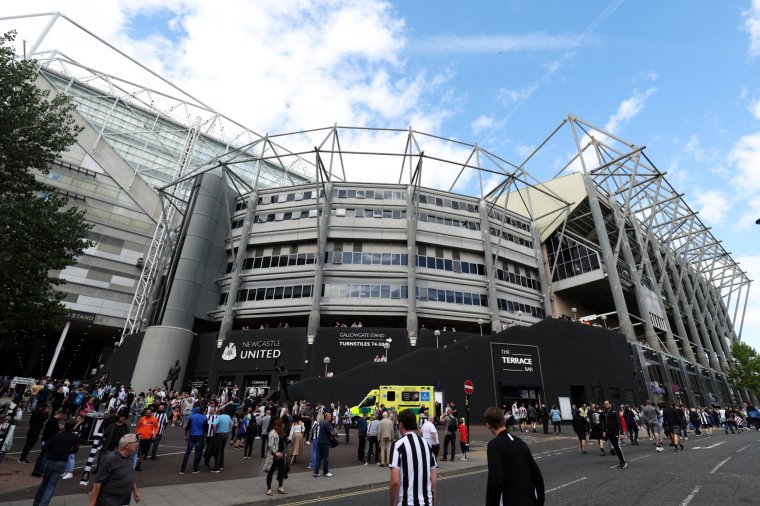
396,398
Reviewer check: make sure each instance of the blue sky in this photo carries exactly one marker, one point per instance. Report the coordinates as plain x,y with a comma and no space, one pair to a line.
682,78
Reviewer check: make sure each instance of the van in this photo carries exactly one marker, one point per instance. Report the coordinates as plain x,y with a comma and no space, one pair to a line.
396,398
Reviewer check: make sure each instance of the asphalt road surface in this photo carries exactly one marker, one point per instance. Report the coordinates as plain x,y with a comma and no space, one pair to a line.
713,470
721,469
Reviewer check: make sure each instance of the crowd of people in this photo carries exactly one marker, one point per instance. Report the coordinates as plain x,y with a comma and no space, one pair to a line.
611,427
62,413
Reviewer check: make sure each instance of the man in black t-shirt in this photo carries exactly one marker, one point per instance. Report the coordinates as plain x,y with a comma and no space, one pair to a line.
671,420
513,475
115,480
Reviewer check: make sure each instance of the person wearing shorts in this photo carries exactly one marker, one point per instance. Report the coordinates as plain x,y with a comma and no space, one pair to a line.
581,428
672,419
650,415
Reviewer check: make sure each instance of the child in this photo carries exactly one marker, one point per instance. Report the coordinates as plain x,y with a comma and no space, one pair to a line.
463,445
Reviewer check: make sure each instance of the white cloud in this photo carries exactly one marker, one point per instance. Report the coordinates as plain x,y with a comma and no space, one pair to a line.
754,109
747,219
752,27
712,205
744,158
629,109
481,124
450,43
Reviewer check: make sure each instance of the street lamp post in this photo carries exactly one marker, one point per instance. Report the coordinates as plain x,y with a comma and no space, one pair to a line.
437,334
604,320
480,324
387,347
326,361
575,313
520,315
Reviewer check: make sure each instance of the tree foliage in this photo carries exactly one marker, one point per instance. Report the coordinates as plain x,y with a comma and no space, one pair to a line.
40,233
744,373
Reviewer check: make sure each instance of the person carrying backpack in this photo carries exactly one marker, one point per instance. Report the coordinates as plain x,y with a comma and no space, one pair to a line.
450,422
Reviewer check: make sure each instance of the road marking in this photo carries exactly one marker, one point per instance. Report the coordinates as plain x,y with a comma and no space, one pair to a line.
566,485
691,495
632,460
720,464
744,448
714,445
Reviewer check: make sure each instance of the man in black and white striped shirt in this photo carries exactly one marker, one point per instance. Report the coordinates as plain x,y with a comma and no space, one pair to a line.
414,479
211,446
163,421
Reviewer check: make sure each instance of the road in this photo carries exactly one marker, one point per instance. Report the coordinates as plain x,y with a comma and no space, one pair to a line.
713,470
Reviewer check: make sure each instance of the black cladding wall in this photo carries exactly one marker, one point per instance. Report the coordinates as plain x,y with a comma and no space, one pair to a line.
121,364
570,354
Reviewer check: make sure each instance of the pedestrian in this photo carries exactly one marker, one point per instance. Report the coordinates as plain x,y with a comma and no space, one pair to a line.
276,457
324,440
597,427
265,420
463,439
361,429
385,436
147,428
163,421
113,434
650,415
36,423
58,449
581,428
671,419
115,480
544,417
556,417
196,432
295,440
513,475
412,464
611,423
450,422
52,427
222,426
372,430
430,436
250,434
346,421
532,416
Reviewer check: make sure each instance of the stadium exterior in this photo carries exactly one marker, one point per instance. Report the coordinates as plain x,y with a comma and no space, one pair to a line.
230,240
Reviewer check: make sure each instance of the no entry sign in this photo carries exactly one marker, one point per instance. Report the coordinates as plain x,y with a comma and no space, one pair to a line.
469,388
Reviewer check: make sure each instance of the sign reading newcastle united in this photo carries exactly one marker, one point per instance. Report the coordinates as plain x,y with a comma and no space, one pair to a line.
254,349
352,338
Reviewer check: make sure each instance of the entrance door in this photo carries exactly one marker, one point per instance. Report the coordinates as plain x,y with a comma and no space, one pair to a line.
520,395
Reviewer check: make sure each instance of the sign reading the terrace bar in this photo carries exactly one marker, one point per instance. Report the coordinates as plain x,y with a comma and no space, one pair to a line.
516,364
253,349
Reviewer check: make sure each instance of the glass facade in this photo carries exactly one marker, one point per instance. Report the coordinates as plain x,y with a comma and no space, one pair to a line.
572,258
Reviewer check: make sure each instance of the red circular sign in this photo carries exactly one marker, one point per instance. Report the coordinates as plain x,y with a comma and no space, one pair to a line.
468,387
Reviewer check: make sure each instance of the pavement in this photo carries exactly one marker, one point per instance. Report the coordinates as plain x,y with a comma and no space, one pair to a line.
241,481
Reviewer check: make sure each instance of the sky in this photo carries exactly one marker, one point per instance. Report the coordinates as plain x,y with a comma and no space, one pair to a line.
681,78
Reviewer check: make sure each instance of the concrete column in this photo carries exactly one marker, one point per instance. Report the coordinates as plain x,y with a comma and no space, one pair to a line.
716,318
716,335
324,223
411,268
700,319
641,361
493,304
610,262
638,290
543,265
674,304
201,260
670,342
245,233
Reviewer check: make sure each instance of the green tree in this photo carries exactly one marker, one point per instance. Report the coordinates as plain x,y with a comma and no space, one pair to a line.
40,234
744,373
